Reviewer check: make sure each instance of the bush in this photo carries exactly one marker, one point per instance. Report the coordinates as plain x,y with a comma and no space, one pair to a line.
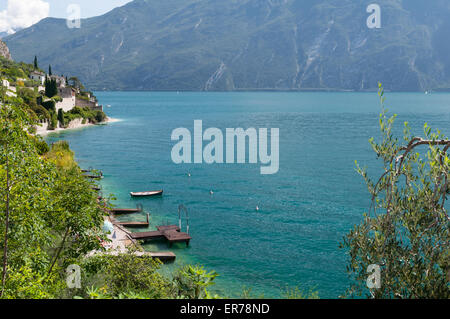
42,147
53,121
50,105
41,112
100,116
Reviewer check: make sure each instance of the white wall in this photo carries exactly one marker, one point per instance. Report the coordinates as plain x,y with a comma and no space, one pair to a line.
66,105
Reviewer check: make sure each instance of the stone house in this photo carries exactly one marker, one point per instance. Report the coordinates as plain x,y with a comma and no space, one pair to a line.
60,80
38,77
90,103
68,96
10,90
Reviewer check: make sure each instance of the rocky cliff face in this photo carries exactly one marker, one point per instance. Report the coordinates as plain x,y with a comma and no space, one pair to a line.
4,51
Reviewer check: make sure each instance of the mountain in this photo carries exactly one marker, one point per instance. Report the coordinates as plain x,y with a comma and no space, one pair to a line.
249,44
4,51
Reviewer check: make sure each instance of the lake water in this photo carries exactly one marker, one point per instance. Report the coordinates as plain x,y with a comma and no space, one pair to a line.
304,210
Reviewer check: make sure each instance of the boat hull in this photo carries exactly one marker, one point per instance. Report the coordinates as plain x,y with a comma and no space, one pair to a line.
146,194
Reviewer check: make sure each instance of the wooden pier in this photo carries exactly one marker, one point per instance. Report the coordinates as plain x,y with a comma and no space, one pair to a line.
170,233
132,224
122,211
163,256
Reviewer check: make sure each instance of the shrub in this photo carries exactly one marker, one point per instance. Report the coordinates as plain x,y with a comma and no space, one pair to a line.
100,116
42,147
53,121
41,112
49,105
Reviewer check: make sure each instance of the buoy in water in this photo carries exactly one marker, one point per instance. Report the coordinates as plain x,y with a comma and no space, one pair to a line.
211,192
257,208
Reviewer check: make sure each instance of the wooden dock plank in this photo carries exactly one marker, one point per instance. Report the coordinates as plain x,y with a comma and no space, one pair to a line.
147,235
164,256
174,236
133,224
119,211
166,228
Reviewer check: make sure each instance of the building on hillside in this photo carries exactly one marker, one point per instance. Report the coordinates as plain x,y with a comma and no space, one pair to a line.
68,96
5,83
38,77
90,103
60,81
10,90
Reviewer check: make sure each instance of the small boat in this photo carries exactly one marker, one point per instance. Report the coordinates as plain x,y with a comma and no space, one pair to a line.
146,194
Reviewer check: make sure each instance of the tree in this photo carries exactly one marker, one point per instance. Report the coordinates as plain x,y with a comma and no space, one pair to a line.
76,83
50,70
36,63
24,196
51,87
44,202
406,231
61,117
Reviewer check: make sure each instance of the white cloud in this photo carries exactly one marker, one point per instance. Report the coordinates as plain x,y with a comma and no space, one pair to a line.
22,14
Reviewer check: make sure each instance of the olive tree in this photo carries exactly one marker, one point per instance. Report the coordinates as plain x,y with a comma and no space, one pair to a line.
406,230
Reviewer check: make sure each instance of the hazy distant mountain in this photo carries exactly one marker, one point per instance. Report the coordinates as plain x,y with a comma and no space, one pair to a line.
249,44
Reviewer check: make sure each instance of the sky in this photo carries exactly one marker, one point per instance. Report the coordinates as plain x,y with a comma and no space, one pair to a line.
17,14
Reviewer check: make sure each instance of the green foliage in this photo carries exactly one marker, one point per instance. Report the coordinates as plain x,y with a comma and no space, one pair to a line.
28,96
41,145
407,230
297,293
192,281
76,83
51,87
62,156
41,112
26,283
86,114
140,275
50,214
61,118
12,70
100,116
49,105
53,120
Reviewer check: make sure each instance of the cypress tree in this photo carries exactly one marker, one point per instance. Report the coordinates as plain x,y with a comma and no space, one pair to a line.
51,87
61,118
36,63
50,70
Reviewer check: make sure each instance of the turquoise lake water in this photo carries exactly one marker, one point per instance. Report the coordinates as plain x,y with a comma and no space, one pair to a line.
305,209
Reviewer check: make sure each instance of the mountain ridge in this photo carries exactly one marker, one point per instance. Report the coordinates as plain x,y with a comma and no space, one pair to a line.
249,45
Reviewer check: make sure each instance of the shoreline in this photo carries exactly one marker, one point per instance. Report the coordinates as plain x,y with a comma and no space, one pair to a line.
73,125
